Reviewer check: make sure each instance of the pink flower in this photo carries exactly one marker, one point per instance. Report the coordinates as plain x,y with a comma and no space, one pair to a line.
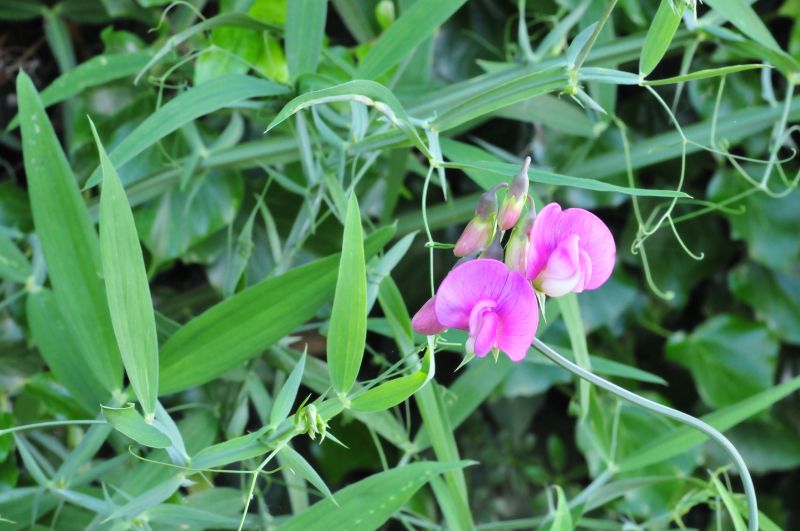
495,305
571,250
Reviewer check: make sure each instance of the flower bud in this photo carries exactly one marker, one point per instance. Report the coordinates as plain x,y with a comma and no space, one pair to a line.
495,250
517,248
480,230
425,321
514,201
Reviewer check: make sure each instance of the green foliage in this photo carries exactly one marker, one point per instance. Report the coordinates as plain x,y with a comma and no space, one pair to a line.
283,185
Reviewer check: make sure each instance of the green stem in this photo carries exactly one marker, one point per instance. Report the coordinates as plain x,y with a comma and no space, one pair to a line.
597,29
48,424
710,431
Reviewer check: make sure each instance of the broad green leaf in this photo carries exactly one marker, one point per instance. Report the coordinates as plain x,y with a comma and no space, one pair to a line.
58,346
685,438
487,171
660,34
181,218
389,394
729,358
225,19
127,287
68,238
774,295
188,106
305,31
562,520
250,321
768,226
286,396
742,16
414,26
21,9
347,333
131,423
98,70
13,264
298,465
369,503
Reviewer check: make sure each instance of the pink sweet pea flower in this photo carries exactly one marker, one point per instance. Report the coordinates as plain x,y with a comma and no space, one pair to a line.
495,305
570,250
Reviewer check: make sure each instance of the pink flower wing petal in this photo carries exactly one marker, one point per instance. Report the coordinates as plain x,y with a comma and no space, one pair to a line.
595,239
425,322
519,316
563,271
465,286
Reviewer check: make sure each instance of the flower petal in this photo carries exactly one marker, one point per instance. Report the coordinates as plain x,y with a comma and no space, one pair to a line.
465,286
596,240
487,330
552,225
519,316
563,271
425,322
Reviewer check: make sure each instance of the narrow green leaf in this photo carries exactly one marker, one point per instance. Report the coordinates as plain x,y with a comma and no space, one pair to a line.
414,26
684,438
150,498
357,16
393,392
298,465
231,451
487,171
247,323
305,31
127,288
68,238
659,36
741,14
130,422
287,395
562,521
729,503
360,91
196,102
369,503
347,333
571,312
704,74
13,264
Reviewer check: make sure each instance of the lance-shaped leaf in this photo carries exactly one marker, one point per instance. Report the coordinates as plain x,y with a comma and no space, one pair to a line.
391,393
659,36
347,334
252,320
369,503
129,422
305,31
298,465
68,238
127,288
286,396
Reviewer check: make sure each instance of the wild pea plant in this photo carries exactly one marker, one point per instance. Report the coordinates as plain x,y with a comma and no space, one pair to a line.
209,249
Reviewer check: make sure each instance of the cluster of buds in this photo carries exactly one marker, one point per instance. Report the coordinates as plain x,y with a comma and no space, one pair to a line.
481,234
308,420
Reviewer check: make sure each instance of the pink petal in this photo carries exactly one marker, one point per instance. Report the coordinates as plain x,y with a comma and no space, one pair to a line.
563,271
552,225
519,317
425,322
596,240
543,239
485,336
465,286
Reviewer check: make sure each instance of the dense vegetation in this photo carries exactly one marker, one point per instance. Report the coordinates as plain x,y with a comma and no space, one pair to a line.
217,220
